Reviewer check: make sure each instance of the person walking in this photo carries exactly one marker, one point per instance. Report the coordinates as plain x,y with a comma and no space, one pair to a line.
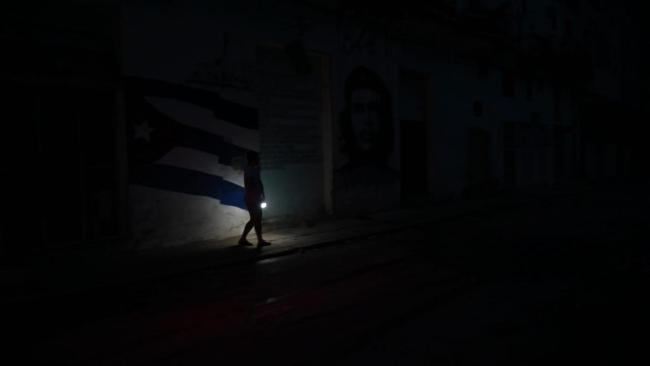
254,196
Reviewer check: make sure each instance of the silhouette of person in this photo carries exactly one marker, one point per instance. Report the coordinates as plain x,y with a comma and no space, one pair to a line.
366,138
254,196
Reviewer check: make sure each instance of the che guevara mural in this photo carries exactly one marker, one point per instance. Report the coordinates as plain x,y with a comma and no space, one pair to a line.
366,178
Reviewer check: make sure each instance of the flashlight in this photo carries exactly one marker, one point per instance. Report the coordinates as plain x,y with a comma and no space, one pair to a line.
263,205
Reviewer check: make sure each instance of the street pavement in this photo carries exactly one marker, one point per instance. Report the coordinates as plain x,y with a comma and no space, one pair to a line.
56,273
525,280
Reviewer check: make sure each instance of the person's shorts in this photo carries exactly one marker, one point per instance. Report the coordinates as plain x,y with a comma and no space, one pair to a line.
253,205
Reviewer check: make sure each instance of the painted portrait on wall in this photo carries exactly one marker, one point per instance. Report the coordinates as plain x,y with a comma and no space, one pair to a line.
366,141
366,122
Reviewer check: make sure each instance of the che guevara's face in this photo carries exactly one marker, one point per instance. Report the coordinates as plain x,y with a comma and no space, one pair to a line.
364,117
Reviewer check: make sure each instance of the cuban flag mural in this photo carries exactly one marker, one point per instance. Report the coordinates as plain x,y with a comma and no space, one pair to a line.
187,148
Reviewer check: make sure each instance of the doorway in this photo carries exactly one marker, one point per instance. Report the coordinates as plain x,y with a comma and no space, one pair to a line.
478,163
413,160
62,190
412,109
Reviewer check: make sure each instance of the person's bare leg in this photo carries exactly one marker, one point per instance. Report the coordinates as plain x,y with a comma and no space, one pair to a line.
247,229
257,221
258,229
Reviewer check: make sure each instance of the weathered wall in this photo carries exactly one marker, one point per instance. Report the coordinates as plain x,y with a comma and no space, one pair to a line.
192,113
318,96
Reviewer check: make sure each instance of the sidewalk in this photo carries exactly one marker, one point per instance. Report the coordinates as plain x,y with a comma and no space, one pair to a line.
55,274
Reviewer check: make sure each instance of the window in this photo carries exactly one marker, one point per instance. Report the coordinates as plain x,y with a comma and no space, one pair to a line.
509,135
603,57
482,70
508,84
568,29
478,109
595,4
557,97
551,14
573,6
535,117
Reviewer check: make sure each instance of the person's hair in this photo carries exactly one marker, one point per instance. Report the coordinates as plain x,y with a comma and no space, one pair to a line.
252,157
363,78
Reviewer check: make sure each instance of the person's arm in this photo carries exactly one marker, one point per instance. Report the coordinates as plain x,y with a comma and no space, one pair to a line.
247,181
262,188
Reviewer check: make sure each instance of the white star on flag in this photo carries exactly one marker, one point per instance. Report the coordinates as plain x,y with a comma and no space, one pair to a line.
143,131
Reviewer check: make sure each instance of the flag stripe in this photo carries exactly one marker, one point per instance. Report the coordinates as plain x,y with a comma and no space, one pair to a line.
182,157
232,112
202,118
183,180
197,139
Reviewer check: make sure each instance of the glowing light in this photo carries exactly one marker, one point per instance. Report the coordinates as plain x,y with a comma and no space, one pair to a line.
263,205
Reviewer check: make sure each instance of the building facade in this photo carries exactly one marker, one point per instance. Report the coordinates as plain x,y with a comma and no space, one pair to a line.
354,108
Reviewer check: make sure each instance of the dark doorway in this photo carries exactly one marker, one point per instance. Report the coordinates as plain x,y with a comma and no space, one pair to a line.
559,149
414,161
509,155
413,128
21,183
478,162
77,140
59,162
